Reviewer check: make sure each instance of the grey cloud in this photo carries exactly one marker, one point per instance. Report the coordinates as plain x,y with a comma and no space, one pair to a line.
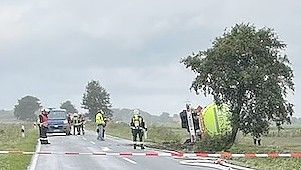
52,48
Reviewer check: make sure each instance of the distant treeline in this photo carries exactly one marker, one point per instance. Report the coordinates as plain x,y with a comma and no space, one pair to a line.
7,116
296,120
124,115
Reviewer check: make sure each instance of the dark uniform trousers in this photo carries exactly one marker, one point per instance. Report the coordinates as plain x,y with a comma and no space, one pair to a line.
43,135
137,132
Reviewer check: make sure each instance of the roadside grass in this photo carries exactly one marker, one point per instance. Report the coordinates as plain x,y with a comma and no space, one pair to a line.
270,163
10,139
270,145
156,133
172,137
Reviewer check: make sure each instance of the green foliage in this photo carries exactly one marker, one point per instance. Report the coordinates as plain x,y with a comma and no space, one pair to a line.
96,98
68,106
247,69
212,144
165,117
26,108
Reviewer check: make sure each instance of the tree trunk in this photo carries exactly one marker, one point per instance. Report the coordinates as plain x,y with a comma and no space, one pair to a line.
235,120
233,136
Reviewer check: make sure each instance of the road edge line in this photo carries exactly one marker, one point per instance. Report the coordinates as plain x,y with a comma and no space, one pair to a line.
34,159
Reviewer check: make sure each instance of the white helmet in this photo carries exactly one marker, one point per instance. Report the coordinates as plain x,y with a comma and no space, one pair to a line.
45,110
101,112
136,112
75,115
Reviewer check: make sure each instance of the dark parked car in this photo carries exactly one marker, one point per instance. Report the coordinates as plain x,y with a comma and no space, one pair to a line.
57,121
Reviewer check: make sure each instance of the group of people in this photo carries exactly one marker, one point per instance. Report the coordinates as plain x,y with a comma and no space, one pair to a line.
77,122
137,124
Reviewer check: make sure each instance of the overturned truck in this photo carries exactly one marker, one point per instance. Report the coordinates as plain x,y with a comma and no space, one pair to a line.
211,121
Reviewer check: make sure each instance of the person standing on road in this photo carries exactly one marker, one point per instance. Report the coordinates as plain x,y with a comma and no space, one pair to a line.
138,127
104,127
76,124
43,126
100,122
69,120
82,122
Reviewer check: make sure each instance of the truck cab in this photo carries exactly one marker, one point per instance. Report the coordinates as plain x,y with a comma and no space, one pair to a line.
58,121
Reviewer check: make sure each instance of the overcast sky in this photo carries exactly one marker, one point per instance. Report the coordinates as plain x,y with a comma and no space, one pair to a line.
51,49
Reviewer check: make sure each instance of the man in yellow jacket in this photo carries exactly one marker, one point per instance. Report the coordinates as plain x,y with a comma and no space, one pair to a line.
100,122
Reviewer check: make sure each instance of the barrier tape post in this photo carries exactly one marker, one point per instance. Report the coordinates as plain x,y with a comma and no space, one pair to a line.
23,131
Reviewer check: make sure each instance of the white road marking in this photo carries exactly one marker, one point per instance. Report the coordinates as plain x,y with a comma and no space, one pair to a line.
84,138
35,157
129,160
105,149
92,142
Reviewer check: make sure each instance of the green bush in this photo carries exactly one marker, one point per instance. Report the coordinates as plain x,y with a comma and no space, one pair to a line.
213,144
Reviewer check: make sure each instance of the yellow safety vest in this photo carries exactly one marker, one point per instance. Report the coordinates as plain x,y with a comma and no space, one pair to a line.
99,119
75,120
137,120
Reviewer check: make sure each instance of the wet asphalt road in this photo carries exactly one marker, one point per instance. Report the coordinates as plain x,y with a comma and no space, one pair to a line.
88,144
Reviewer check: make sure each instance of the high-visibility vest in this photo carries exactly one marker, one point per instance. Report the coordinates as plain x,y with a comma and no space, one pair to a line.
44,120
75,120
137,121
99,119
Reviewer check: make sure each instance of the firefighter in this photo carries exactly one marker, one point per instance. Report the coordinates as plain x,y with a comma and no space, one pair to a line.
138,127
100,122
104,127
257,139
76,124
43,126
82,122
69,120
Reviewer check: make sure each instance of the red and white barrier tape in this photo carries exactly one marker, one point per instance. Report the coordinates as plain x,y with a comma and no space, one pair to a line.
162,154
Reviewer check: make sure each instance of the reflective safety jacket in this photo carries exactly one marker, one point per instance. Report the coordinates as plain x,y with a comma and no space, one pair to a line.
43,120
75,121
99,120
137,122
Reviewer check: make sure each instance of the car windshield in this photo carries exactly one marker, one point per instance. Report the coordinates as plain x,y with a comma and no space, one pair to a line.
57,115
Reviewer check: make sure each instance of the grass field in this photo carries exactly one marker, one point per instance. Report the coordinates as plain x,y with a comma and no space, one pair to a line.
270,144
155,133
10,139
171,137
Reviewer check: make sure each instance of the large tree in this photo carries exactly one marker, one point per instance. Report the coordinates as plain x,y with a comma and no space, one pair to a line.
68,106
26,108
96,98
247,68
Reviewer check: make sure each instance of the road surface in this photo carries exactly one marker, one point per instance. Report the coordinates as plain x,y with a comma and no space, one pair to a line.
88,144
